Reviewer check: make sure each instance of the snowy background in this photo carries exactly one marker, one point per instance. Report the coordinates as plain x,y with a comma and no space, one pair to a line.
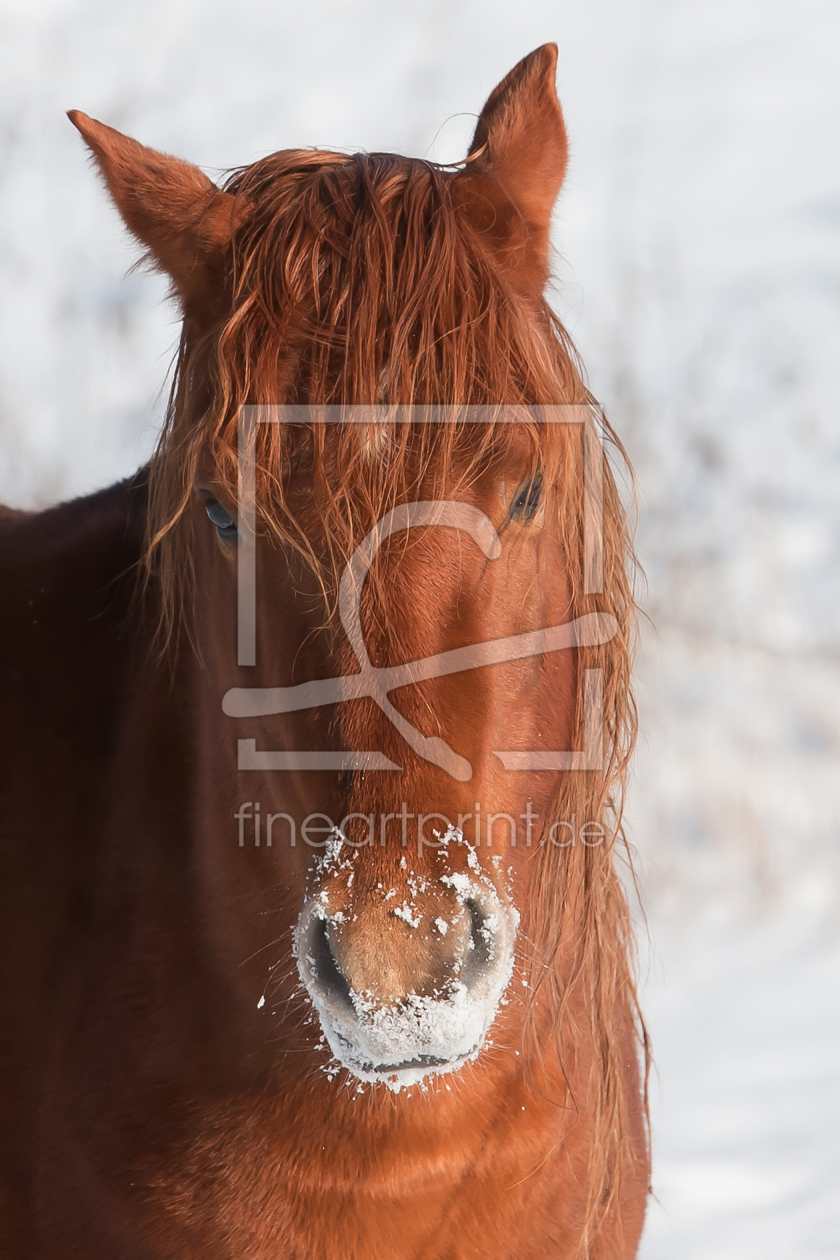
699,271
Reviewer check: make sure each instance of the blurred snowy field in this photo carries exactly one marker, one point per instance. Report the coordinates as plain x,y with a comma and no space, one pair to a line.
699,271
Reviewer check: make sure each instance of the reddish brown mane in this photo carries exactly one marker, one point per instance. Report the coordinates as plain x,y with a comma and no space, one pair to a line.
385,293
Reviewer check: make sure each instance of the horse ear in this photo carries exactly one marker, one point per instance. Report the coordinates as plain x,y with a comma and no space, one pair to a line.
183,219
516,165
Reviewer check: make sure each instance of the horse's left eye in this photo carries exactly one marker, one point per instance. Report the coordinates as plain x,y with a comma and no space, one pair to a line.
222,519
524,506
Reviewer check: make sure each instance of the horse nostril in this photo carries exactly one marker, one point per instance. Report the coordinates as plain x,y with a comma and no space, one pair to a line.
329,976
480,948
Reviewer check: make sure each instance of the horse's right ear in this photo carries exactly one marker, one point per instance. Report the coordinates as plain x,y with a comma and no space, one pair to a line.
183,220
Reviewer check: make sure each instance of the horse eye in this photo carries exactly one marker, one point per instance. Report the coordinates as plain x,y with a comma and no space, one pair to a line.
524,506
222,519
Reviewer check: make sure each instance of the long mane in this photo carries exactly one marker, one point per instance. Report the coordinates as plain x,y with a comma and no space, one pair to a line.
361,280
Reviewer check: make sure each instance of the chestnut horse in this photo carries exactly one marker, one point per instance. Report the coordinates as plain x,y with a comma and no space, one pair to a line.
313,945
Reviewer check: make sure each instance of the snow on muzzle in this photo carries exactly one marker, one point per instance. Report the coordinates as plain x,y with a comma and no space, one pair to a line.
407,984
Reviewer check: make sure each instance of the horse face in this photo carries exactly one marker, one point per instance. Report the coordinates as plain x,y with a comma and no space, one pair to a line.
406,842
410,877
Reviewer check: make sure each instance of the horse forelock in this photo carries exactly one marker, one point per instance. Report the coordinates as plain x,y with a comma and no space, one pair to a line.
360,279
353,280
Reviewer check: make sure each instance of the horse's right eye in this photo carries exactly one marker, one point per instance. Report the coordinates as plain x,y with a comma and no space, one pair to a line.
527,501
222,519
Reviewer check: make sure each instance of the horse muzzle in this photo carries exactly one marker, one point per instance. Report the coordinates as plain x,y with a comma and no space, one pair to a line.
406,982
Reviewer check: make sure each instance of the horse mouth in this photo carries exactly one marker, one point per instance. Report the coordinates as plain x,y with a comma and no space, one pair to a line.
425,1063
422,1060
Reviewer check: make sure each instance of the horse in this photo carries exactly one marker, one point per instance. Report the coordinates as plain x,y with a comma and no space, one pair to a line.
315,941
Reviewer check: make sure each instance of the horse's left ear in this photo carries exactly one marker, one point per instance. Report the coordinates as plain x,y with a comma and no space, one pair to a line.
515,168
171,207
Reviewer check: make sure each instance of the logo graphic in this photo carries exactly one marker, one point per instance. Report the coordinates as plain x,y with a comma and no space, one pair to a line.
589,630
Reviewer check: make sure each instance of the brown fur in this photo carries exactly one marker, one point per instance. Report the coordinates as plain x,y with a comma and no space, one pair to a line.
154,1110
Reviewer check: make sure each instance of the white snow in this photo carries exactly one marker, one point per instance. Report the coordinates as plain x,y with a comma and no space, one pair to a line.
746,1099
461,882
700,274
408,914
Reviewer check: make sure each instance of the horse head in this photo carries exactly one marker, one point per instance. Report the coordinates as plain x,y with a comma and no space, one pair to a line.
381,790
